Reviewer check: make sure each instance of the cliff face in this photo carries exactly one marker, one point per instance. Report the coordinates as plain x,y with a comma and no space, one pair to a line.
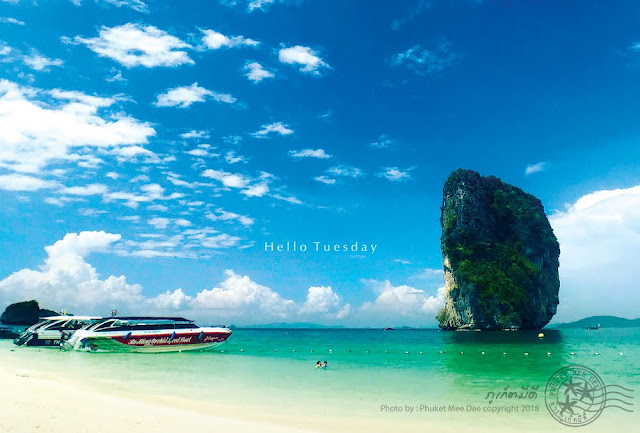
500,256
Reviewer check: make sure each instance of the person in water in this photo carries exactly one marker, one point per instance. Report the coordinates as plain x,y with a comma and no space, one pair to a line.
325,365
319,364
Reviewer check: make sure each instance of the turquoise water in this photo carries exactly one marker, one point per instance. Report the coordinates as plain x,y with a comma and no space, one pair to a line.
271,374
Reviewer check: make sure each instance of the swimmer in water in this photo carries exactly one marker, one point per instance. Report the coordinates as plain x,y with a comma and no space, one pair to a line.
325,365
319,364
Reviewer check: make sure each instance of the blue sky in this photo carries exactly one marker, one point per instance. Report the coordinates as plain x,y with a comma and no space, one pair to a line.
155,147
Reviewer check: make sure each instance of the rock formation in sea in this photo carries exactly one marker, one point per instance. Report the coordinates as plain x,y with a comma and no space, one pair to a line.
24,313
500,256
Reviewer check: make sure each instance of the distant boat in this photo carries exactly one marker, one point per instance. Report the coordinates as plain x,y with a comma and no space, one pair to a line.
389,328
146,334
593,328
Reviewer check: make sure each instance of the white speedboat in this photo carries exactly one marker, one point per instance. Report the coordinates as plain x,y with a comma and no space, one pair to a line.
50,330
146,334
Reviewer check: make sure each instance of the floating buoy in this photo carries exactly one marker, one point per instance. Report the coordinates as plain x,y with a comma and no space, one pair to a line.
541,335
420,353
504,353
548,353
572,353
441,351
294,350
276,350
367,351
461,353
241,350
406,352
526,353
222,351
386,351
483,353
330,350
597,353
312,350
621,353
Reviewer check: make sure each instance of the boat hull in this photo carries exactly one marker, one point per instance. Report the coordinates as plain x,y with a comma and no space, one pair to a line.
145,342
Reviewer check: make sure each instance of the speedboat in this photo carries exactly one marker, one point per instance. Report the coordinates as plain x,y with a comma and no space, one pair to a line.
146,334
50,330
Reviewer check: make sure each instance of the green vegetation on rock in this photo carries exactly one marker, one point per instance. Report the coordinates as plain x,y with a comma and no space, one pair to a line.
501,252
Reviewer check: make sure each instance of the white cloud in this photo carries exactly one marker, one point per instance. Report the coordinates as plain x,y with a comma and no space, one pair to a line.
171,300
239,294
345,171
325,180
20,182
309,153
535,168
599,239
304,57
135,45
112,175
406,302
232,158
159,223
430,274
256,73
66,280
11,20
289,199
38,62
321,300
183,97
273,128
136,5
223,215
402,261
230,180
383,142
426,62
214,40
195,134
257,190
35,133
86,190
259,4
394,174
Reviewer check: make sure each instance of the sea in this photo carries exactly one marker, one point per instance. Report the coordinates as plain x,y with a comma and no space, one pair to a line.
376,380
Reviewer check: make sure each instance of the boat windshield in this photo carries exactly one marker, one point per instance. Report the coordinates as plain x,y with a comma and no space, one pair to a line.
141,324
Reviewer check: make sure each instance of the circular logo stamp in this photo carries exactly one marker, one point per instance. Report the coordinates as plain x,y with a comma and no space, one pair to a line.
575,395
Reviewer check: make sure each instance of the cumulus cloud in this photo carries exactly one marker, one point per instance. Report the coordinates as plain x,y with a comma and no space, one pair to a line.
35,132
310,153
136,45
599,239
66,280
401,302
273,128
183,97
383,142
304,57
426,62
239,294
223,215
215,40
256,73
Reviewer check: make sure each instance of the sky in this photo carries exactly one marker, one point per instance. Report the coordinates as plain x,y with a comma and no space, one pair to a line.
154,155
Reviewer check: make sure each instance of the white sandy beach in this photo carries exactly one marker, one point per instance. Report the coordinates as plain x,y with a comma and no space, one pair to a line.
31,404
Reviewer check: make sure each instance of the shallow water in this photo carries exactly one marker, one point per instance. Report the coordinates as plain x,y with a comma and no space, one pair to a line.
272,373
